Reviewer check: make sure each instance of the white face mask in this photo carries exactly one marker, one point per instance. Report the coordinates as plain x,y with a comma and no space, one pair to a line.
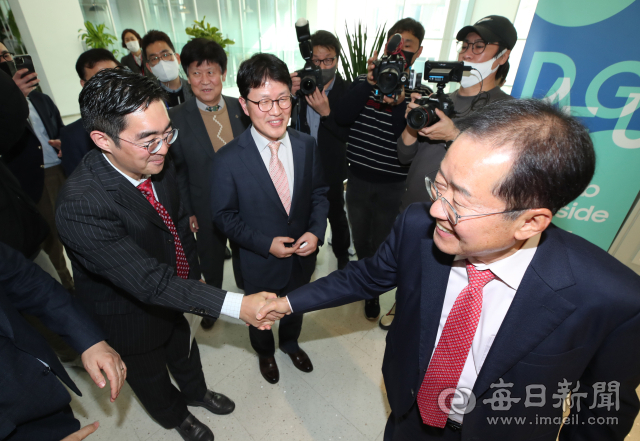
480,71
133,46
166,71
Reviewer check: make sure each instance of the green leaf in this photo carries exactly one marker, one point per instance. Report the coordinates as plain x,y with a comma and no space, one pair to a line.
200,29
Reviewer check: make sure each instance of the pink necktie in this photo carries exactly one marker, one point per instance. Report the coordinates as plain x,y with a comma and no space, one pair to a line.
181,260
453,349
278,176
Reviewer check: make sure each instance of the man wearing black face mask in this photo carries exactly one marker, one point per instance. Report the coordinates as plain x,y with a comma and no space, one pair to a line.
314,115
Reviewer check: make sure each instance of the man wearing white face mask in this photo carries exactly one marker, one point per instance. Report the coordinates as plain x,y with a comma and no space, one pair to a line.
164,63
486,47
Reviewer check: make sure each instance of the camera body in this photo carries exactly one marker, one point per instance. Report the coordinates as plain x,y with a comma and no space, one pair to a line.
440,72
310,75
389,73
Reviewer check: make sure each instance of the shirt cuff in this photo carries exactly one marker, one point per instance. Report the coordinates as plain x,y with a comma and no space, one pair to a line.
232,305
287,297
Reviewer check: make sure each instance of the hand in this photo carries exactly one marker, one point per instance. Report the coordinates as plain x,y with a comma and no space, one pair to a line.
310,247
193,224
295,82
320,102
279,250
26,83
82,433
274,308
370,67
443,130
397,99
99,357
250,307
56,144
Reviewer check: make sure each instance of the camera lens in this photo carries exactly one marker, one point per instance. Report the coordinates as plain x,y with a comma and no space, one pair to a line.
387,81
308,85
421,117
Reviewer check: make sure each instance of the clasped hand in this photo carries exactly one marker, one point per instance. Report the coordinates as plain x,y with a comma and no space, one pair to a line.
254,303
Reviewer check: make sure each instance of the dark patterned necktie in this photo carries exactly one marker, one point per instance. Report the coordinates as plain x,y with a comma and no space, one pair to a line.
212,108
181,259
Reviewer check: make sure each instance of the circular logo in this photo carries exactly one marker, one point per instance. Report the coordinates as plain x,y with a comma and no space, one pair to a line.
460,401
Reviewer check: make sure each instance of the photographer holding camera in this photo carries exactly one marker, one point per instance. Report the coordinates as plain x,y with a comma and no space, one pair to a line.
313,114
485,47
376,176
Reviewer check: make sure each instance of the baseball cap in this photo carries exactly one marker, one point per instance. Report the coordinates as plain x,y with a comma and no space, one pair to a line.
492,29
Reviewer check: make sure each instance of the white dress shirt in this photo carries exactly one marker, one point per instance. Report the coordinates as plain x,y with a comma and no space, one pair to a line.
284,154
233,300
497,296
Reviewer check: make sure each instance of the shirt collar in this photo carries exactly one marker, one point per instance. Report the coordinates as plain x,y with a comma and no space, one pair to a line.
328,89
511,269
263,143
170,90
203,106
135,182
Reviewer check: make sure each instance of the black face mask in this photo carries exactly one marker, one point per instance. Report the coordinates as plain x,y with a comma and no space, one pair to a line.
408,56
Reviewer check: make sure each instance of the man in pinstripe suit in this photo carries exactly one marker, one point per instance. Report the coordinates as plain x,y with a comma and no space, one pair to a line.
133,254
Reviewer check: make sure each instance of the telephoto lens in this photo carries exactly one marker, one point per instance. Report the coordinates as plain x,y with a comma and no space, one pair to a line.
421,117
308,85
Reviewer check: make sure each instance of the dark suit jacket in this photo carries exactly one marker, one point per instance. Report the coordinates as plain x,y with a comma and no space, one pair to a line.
575,316
130,62
193,153
332,137
28,389
25,158
76,143
248,210
123,254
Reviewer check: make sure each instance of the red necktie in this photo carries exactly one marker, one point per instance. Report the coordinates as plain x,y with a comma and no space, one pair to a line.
453,349
181,260
278,176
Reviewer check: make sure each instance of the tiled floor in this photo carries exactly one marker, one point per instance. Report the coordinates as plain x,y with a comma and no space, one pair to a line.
342,399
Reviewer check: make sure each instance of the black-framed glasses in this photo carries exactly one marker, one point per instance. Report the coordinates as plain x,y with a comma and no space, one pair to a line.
155,145
477,48
327,62
166,56
452,215
7,56
266,104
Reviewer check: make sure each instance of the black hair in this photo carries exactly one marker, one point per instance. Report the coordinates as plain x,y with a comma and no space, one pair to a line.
326,39
112,94
135,34
555,159
201,50
88,59
261,67
152,37
410,25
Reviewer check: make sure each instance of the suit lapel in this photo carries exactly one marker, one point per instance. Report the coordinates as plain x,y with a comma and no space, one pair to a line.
536,311
124,193
298,152
436,267
198,129
254,163
235,115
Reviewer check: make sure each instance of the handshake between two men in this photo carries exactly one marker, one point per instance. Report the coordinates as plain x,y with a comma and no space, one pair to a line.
263,309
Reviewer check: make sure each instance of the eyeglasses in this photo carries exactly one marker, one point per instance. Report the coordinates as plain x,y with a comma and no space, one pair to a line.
452,215
7,56
477,48
164,57
327,62
266,104
155,145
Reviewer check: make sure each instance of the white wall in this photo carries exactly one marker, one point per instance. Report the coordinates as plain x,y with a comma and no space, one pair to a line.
506,8
49,29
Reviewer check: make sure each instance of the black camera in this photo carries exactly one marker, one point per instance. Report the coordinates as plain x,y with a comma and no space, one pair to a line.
388,72
310,75
440,72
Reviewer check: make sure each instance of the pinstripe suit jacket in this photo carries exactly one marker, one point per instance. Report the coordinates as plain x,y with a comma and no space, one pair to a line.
123,255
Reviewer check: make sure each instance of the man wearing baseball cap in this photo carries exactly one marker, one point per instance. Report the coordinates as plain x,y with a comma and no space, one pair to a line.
486,47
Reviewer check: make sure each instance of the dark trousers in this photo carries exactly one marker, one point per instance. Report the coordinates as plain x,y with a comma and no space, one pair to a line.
211,244
53,180
372,207
340,237
148,377
289,327
50,428
411,428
